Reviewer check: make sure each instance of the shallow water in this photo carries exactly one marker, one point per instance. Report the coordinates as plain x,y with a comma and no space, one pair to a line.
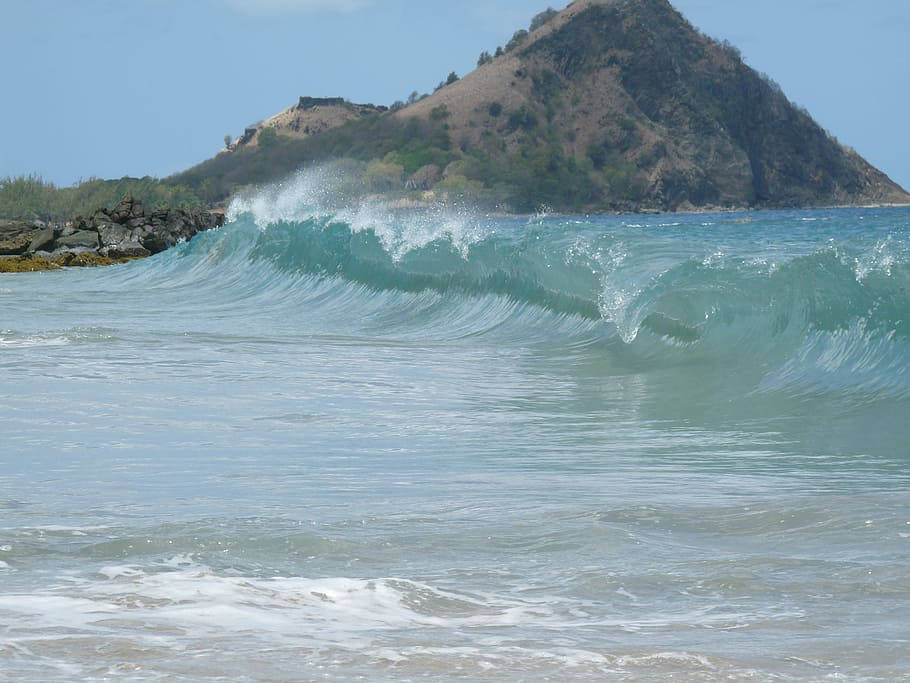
329,445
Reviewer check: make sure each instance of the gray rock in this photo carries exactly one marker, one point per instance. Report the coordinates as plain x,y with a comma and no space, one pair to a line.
126,249
159,240
42,239
83,239
112,233
15,236
100,216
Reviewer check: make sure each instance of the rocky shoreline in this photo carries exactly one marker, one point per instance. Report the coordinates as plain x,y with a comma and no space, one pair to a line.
108,236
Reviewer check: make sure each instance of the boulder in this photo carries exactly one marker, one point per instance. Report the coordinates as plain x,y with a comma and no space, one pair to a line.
100,216
112,233
127,249
127,209
43,239
159,240
15,236
82,239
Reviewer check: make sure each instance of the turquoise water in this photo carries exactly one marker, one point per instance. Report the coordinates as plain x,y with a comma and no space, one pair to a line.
331,445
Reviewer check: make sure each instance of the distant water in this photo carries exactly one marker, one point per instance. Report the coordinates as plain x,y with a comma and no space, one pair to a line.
331,445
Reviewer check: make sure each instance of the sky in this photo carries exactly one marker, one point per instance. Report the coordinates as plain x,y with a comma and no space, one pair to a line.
106,88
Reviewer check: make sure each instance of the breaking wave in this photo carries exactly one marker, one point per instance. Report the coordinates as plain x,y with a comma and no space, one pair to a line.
786,308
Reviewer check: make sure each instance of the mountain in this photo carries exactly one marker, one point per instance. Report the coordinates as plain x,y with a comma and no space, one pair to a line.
606,105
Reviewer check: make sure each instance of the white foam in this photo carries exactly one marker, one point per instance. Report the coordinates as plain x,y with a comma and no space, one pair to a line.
202,604
330,194
33,341
64,528
880,259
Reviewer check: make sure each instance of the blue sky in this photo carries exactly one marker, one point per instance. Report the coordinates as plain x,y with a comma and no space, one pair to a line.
149,87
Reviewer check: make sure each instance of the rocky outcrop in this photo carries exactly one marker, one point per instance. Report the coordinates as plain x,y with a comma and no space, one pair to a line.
107,236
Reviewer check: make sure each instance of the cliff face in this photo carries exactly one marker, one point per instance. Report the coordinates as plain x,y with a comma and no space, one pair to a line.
631,82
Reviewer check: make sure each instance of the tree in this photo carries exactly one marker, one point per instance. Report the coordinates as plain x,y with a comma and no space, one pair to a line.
453,77
227,140
542,18
499,52
485,58
413,97
517,39
268,138
384,176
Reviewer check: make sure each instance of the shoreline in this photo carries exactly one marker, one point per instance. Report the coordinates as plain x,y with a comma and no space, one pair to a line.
126,234
108,237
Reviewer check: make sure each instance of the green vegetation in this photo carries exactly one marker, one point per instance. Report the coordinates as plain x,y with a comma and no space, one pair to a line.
267,138
452,78
520,167
687,95
542,18
30,197
518,38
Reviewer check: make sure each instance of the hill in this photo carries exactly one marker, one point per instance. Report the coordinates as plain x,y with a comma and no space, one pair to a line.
607,105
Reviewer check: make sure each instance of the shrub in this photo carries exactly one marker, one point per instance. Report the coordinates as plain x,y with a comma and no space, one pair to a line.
542,18
495,109
268,137
522,118
517,39
384,176
440,113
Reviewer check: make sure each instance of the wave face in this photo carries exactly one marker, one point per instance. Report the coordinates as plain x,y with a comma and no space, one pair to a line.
787,302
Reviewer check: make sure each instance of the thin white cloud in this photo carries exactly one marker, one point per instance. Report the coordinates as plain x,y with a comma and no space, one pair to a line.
285,6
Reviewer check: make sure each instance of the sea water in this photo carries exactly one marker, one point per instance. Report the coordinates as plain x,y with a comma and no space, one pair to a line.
436,445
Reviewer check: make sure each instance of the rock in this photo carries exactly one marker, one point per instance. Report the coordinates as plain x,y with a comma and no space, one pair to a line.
15,236
126,249
101,216
83,239
112,233
127,209
106,237
43,239
158,241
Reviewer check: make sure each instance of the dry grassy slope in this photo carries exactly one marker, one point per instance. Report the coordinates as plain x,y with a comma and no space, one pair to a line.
634,78
311,116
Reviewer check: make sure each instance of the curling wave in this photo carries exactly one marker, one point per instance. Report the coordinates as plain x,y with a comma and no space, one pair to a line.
778,299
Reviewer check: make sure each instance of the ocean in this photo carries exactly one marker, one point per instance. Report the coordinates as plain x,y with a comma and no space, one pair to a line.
353,443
